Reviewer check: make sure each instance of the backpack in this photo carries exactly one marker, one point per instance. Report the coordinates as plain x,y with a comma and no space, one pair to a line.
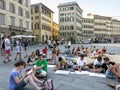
49,84
3,44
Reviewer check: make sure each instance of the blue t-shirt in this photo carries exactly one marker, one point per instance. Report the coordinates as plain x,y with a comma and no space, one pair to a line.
13,74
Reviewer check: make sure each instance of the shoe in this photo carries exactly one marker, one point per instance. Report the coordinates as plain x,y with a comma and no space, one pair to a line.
9,60
4,62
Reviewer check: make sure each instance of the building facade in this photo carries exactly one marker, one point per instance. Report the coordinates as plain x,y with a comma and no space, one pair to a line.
15,17
55,32
105,27
88,28
42,21
70,21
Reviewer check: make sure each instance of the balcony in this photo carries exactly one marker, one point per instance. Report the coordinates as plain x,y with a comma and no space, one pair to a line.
17,28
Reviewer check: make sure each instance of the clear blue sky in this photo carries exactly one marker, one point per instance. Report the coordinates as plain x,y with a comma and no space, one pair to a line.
101,7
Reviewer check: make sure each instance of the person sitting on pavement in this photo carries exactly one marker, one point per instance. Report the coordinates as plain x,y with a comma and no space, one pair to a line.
40,67
107,64
95,54
44,51
37,52
114,72
17,81
96,65
31,59
53,59
81,63
73,51
102,68
67,50
104,50
98,62
61,63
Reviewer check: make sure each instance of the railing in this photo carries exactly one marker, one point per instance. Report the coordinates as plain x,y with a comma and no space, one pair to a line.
17,28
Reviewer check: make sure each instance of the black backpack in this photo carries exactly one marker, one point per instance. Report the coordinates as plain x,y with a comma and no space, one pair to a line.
3,44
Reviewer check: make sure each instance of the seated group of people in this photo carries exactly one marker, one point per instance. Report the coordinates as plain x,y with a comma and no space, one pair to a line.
34,56
18,80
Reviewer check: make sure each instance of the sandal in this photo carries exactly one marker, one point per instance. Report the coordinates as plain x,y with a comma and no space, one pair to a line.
113,85
44,80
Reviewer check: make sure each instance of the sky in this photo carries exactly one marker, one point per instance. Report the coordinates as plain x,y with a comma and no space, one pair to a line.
100,7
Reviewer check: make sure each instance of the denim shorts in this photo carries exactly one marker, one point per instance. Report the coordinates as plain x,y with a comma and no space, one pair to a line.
20,85
109,74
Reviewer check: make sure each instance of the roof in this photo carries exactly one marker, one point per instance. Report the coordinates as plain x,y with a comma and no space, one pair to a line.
42,5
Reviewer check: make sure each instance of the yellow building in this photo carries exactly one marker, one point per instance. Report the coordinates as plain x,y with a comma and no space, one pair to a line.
42,21
55,31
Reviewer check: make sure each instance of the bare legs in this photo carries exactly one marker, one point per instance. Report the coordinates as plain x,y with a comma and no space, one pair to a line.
32,79
18,53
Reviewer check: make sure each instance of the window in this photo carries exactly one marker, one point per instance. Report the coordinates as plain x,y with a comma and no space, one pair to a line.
12,21
71,27
27,14
27,3
61,19
66,19
32,26
20,1
20,22
20,11
12,8
36,8
37,25
71,18
36,17
2,4
27,24
2,19
71,8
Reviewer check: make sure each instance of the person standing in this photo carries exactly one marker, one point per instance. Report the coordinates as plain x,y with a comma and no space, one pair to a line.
3,46
26,48
7,49
18,49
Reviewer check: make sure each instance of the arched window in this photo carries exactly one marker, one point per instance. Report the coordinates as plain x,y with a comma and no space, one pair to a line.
61,27
62,19
66,27
71,18
66,19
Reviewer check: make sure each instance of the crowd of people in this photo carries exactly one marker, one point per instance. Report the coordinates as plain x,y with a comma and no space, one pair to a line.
61,59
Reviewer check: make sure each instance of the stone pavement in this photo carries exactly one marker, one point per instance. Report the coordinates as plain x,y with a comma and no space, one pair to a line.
61,82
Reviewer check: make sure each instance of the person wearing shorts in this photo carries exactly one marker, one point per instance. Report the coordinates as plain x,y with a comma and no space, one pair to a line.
18,82
40,67
7,49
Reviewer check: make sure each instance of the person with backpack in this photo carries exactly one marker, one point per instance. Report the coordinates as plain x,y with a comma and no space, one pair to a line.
3,46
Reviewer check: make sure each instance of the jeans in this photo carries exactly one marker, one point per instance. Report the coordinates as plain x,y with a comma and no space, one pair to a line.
109,74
